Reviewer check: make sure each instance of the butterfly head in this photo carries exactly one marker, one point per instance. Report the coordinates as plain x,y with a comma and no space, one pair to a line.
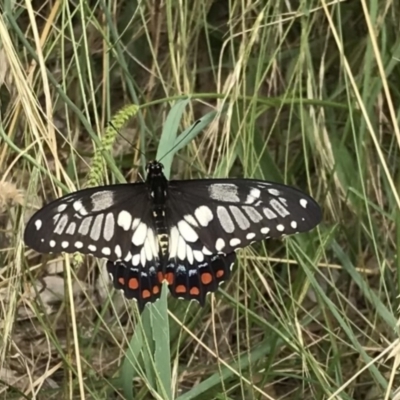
154,168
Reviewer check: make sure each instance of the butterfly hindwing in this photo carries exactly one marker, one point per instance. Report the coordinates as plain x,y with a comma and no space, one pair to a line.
193,280
140,282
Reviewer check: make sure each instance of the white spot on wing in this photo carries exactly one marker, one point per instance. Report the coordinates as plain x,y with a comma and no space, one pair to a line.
71,228
124,220
118,251
234,242
85,226
38,224
52,243
265,230
92,247
250,236
143,256
278,207
106,251
240,218
253,214
102,200
226,192
225,219
181,248
128,257
108,231
253,196
204,215
61,225
303,203
151,239
262,185
280,227
61,208
293,224
283,201
219,244
78,244
135,223
78,206
206,252
274,192
64,244
96,227
189,254
173,242
269,213
135,260
189,218
187,231
139,236
198,255
148,249
83,211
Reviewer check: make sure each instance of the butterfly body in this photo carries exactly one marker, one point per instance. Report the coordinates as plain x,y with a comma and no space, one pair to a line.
157,194
183,232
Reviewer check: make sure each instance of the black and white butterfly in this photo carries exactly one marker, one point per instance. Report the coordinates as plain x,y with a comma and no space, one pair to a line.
185,232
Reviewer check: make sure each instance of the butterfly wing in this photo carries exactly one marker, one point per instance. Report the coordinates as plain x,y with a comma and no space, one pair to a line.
192,279
140,282
209,219
112,222
229,214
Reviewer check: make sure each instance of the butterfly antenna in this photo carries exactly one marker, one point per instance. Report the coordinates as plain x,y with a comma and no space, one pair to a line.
180,141
128,141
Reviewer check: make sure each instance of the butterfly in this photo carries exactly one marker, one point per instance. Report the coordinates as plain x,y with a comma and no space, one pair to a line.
184,232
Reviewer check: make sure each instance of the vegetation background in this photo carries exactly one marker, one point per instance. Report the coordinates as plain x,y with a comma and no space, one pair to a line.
305,93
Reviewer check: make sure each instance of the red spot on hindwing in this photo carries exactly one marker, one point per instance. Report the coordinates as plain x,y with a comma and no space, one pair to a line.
133,283
156,290
146,294
206,278
220,273
169,277
194,291
180,289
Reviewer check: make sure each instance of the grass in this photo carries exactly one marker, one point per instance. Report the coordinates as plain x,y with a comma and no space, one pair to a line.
306,95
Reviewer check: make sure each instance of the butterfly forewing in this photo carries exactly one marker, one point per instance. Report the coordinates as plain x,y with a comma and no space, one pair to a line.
112,222
220,216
